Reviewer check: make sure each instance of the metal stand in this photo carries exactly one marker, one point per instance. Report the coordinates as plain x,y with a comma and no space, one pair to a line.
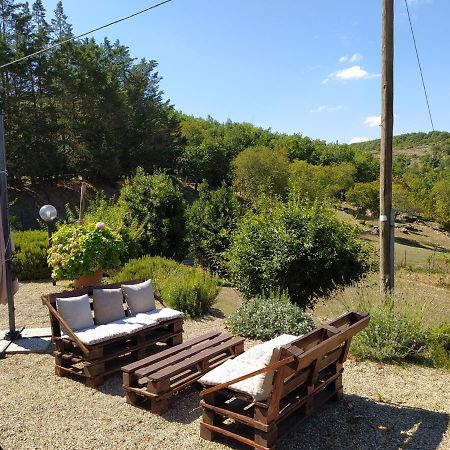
13,334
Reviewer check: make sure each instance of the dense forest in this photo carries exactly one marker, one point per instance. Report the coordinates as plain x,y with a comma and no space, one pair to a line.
90,110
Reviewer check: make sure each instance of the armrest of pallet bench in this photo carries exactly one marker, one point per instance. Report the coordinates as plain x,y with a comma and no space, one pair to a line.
273,366
61,320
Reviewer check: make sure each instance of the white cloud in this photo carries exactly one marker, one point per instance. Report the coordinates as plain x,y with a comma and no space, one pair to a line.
358,139
373,121
351,59
351,73
326,108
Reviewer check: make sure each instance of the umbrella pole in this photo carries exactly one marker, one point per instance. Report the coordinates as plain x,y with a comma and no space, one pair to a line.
12,334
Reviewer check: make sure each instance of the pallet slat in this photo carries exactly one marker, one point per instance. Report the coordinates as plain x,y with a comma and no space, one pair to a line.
160,380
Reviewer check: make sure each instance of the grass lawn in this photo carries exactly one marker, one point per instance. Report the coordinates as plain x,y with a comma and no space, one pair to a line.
417,294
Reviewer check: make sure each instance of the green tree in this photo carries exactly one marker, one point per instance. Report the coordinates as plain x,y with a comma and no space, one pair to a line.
311,181
441,197
365,196
211,220
155,202
261,170
301,248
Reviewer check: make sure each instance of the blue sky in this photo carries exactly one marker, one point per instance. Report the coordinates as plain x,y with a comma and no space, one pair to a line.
291,65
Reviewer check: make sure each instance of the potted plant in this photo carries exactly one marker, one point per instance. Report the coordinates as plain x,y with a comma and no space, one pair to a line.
81,252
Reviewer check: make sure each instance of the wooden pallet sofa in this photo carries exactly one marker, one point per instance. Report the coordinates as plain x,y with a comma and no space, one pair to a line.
298,374
106,345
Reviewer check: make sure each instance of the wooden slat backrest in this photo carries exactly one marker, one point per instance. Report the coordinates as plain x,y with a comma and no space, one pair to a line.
311,359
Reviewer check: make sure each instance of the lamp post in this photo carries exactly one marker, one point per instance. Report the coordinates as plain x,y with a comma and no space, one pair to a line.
48,214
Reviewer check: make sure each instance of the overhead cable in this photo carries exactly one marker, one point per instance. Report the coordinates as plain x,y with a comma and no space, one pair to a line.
420,66
73,38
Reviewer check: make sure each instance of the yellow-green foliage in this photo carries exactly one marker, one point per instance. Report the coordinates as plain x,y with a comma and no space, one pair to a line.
391,334
439,346
188,289
31,255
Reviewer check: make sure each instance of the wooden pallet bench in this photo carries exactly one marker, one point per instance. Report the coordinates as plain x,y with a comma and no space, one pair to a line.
160,376
308,372
93,362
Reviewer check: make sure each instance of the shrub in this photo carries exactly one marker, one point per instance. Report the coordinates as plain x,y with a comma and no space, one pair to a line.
311,181
439,346
188,289
268,317
79,250
390,336
112,212
156,204
30,255
211,220
261,169
301,248
365,196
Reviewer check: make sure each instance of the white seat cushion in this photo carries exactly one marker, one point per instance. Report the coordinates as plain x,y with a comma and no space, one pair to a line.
118,328
140,297
160,315
76,311
258,357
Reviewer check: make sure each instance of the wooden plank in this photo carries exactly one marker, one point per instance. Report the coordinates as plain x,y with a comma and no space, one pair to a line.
171,370
235,415
235,436
169,352
183,354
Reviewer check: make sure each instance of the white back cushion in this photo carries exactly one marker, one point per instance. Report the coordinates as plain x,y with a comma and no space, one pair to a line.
140,297
76,311
108,305
258,357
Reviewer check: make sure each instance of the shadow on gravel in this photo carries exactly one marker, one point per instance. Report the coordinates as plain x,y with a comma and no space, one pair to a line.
355,423
361,423
358,423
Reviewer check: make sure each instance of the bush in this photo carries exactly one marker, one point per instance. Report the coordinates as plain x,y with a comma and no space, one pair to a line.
439,346
268,317
30,255
390,335
188,289
261,170
112,212
211,220
79,250
301,248
365,196
156,204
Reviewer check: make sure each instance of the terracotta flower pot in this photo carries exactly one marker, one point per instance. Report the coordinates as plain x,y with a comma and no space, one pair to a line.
89,280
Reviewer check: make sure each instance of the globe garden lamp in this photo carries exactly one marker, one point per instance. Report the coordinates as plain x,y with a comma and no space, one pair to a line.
48,214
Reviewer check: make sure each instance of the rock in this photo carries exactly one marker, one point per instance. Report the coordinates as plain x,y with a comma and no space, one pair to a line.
405,218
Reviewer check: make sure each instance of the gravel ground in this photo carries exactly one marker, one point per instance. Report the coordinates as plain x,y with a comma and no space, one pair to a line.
385,406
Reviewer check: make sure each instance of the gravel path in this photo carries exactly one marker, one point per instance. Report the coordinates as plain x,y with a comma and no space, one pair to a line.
385,406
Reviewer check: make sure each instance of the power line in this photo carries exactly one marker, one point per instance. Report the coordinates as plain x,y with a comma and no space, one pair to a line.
420,66
85,34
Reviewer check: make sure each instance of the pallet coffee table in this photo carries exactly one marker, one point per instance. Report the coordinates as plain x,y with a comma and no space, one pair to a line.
160,376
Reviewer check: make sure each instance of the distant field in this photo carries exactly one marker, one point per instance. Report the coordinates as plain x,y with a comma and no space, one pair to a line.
420,293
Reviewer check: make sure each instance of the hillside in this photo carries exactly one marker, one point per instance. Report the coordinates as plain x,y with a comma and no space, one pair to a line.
411,144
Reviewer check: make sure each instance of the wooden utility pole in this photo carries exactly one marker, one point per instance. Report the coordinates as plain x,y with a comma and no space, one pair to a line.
82,202
387,125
